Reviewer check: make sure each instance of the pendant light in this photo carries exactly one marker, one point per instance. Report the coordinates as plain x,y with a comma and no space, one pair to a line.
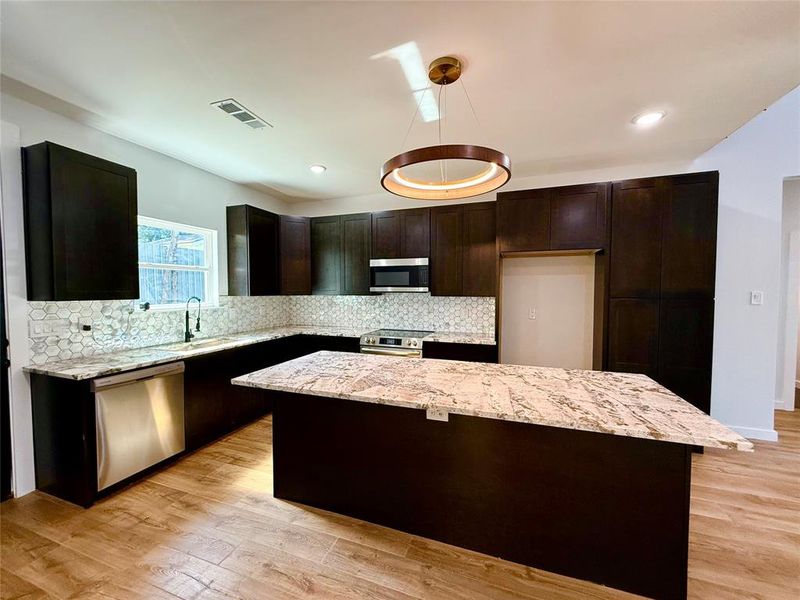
489,169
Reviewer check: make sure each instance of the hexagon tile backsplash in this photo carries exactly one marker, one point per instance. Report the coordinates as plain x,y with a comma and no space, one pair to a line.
56,327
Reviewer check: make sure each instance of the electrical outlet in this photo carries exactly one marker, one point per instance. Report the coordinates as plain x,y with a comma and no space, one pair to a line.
532,314
756,297
437,414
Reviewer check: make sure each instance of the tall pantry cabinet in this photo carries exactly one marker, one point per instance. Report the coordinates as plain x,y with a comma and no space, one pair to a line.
661,281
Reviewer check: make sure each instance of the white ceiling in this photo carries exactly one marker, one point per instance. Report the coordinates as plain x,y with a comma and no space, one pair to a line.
554,84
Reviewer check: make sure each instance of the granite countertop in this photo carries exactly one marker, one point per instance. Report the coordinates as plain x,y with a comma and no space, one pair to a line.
614,403
459,337
100,365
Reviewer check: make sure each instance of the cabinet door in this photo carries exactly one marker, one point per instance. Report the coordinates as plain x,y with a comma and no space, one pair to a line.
689,239
94,227
633,336
523,220
326,255
636,239
356,236
415,233
578,217
480,250
685,347
385,234
446,250
263,252
295,245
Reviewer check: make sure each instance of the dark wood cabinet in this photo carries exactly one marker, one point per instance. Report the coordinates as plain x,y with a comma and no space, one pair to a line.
633,335
80,226
447,252
401,233
356,237
340,254
463,250
295,255
662,263
480,249
523,220
578,216
452,351
326,255
636,238
685,342
253,251
564,218
689,236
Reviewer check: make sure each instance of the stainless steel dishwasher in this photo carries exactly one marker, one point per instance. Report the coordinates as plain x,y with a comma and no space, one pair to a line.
139,418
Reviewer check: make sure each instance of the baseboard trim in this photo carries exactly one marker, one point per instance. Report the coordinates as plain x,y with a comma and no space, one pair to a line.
754,433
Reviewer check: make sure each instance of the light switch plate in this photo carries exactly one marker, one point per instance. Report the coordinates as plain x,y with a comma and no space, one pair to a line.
45,328
757,297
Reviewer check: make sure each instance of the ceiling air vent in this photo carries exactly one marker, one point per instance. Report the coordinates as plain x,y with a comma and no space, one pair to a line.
245,115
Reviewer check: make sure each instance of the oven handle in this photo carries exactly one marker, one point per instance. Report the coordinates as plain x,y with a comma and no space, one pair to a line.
391,352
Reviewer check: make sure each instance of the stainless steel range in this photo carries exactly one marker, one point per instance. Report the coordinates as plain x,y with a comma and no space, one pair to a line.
394,342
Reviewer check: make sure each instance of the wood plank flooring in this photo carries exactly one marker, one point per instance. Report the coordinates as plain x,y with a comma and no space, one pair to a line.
208,527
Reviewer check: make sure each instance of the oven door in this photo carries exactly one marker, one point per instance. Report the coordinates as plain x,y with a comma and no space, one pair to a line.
398,275
416,353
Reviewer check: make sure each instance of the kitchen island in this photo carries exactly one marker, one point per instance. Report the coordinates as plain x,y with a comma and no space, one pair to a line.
583,473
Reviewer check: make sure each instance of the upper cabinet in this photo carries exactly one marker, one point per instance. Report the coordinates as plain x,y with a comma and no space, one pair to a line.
356,238
253,251
523,220
578,216
463,250
401,233
326,255
340,254
80,226
268,254
295,255
565,218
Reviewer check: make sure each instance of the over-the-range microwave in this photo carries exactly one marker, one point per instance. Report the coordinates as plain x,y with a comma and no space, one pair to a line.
398,275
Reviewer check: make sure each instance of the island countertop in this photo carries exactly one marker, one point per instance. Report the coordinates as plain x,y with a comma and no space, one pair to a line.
623,404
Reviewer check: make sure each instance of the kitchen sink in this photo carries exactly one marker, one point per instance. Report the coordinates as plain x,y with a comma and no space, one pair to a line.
187,347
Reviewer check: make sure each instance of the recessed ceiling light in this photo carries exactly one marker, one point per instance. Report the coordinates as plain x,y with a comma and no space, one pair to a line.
318,169
649,118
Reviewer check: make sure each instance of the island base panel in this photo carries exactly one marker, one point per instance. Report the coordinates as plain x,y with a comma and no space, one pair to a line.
603,508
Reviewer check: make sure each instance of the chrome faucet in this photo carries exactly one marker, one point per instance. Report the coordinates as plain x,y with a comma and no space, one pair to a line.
188,335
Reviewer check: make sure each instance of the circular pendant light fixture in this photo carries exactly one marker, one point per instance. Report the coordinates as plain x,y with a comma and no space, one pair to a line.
475,169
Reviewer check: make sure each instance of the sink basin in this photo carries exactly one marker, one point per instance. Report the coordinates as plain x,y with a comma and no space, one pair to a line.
187,347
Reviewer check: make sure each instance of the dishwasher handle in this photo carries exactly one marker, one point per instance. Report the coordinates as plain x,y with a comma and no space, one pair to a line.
112,381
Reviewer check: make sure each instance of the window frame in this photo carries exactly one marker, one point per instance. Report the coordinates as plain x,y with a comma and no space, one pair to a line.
211,266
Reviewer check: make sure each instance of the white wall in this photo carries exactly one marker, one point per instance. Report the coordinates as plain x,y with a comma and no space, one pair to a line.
167,188
753,162
547,311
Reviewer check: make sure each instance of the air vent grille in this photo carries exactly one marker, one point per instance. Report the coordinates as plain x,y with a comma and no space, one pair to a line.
245,115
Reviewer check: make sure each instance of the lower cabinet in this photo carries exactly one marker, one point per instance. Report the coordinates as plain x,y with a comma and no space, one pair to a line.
633,335
215,407
64,417
469,352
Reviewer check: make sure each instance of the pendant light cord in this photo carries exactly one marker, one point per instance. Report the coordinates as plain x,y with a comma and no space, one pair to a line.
469,101
411,124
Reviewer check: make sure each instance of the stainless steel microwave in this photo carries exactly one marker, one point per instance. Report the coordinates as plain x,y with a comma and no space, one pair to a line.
398,275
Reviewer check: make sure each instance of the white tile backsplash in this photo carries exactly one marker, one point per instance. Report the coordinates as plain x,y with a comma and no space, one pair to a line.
55,328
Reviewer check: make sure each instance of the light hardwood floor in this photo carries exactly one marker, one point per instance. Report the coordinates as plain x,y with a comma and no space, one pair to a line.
208,527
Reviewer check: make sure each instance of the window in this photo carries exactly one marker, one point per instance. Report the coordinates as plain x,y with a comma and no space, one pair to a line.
176,262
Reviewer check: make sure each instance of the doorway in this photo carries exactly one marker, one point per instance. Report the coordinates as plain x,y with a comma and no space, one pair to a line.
788,363
547,311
